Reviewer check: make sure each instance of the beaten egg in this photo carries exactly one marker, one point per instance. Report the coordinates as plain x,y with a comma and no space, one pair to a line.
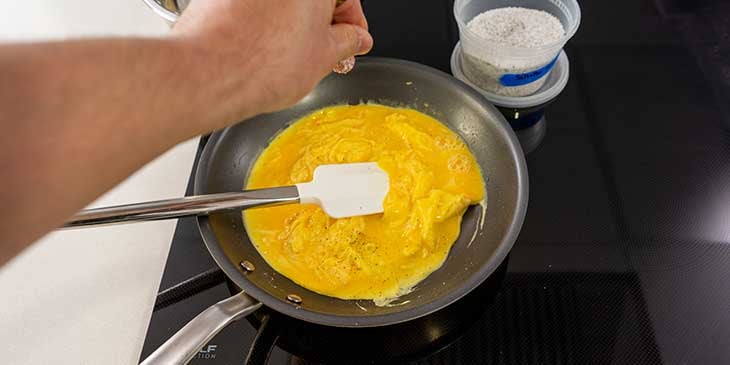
433,179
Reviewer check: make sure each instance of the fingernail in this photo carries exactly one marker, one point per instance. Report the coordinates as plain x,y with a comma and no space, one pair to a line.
366,41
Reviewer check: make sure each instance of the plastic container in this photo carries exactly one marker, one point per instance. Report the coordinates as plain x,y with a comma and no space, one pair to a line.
507,70
526,114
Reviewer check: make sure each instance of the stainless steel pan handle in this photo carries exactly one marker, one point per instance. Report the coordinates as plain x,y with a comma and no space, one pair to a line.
184,207
184,344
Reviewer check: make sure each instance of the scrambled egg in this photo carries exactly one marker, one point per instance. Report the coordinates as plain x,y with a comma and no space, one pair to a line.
433,179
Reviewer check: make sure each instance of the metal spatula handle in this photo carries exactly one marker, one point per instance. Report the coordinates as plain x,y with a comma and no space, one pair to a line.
184,207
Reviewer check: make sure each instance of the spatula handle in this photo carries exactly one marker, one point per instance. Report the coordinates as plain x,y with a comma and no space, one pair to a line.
184,207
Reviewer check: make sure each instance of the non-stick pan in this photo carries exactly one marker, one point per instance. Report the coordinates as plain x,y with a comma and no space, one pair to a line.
230,153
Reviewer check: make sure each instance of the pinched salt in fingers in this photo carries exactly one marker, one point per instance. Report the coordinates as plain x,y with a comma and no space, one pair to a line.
344,66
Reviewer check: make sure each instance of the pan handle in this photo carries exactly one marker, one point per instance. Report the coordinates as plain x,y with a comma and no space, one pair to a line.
184,344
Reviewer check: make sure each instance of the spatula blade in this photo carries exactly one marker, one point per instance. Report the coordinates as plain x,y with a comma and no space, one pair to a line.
347,190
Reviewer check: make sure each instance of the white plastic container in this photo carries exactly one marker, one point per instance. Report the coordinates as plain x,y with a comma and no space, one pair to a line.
508,70
526,114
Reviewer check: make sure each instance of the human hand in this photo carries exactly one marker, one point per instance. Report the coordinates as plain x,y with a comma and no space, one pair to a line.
262,55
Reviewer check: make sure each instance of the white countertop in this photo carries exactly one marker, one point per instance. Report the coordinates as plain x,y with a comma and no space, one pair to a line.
86,296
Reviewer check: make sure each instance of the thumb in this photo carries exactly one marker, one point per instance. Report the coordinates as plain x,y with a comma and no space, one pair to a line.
350,40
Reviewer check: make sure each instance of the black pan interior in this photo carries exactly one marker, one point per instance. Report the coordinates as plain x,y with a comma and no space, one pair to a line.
230,153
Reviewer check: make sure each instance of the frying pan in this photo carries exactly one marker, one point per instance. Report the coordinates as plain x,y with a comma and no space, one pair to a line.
230,153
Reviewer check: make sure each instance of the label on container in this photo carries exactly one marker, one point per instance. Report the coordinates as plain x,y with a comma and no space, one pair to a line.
527,77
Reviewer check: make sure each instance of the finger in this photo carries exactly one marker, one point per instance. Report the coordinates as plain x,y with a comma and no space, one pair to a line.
350,12
336,4
349,40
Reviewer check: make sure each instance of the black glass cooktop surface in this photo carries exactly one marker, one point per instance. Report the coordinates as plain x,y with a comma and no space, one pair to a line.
624,256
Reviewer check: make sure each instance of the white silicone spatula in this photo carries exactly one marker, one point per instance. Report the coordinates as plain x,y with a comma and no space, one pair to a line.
344,190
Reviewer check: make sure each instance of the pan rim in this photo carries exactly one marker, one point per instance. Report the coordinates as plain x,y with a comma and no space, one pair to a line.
278,304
